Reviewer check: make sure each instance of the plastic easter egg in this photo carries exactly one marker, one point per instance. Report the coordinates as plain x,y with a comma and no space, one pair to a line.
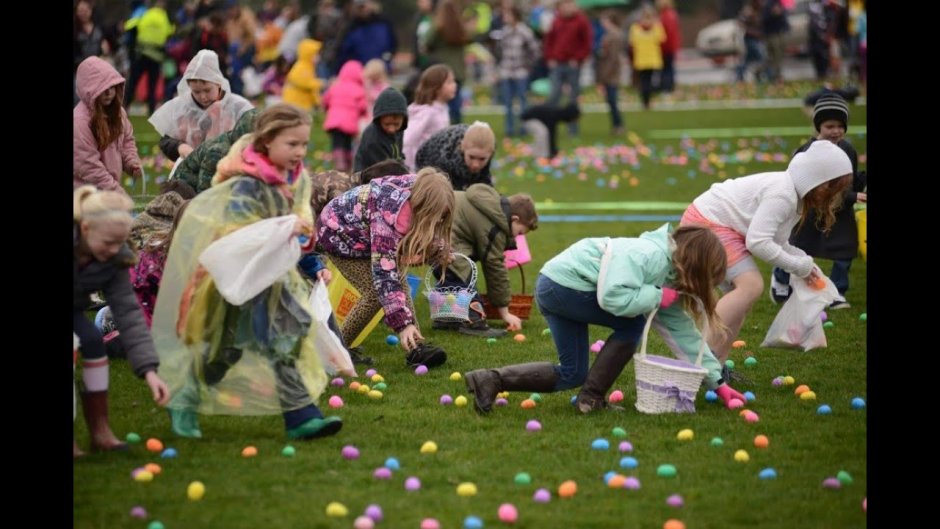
567,489
832,483
625,446
456,376
767,473
761,441
382,473
507,513
430,523
617,431
143,476
335,509
533,426
138,512
711,396
466,489
460,401
750,361
288,451
542,496
824,409
472,522
132,438
169,453
685,435
154,445
741,456
429,447
615,396
527,404
412,484
666,471
446,400
350,452
421,370
858,403
391,339
374,512
363,522
519,337
249,451
808,395
717,441
600,444
675,500
392,463
844,477
338,382
196,490
522,478
673,524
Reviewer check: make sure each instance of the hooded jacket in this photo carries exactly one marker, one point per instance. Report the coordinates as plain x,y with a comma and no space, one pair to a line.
302,87
100,168
345,100
377,145
477,211
766,206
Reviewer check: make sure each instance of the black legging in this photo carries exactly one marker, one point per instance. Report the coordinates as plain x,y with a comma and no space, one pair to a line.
90,340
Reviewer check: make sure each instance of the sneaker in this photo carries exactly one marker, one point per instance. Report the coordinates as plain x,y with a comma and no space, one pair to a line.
355,354
316,428
481,328
779,292
427,355
839,304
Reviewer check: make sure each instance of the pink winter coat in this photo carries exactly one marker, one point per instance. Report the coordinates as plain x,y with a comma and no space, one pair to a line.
423,122
101,169
345,100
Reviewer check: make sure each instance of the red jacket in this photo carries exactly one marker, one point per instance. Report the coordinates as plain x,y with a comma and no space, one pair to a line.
670,21
568,39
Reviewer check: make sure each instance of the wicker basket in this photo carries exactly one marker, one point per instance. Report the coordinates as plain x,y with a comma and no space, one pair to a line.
451,303
519,305
666,385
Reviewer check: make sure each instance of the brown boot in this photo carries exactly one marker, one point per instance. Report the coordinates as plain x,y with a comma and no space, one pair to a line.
607,367
95,404
76,451
484,384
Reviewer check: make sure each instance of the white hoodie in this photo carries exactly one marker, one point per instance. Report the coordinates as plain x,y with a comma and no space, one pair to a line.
766,206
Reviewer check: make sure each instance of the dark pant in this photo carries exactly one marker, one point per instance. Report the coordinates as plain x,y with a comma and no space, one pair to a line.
140,65
667,77
89,337
340,140
646,86
839,275
568,313
615,119
453,106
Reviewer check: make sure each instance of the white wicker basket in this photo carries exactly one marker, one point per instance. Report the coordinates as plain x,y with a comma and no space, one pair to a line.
451,303
667,385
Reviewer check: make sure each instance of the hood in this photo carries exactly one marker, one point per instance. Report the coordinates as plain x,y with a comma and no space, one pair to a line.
203,67
351,72
486,200
308,49
821,162
661,237
390,101
93,77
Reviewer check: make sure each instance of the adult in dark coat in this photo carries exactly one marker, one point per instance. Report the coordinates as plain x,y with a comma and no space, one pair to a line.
464,152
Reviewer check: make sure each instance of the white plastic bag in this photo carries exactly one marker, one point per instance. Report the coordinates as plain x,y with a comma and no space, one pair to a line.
334,356
250,259
798,325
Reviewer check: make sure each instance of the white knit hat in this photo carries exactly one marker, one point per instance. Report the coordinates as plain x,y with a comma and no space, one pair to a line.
821,162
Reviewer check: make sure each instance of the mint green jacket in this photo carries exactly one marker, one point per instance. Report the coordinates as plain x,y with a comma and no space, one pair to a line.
628,274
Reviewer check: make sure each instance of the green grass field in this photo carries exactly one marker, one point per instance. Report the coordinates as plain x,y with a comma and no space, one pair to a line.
271,490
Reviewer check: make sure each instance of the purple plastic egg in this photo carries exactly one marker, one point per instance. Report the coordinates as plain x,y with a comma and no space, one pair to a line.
542,496
382,473
350,452
674,501
375,512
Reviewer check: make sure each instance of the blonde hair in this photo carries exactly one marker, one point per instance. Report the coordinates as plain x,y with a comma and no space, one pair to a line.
431,82
825,199
701,265
432,213
106,123
374,70
273,120
479,135
98,207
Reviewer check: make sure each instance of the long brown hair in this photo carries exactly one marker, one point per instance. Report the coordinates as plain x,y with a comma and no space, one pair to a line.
106,122
448,21
432,213
701,264
825,199
430,83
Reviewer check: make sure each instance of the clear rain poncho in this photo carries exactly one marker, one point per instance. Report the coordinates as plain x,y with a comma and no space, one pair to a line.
268,342
182,119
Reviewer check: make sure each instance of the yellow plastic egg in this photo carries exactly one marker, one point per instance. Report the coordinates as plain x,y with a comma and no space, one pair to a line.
336,509
375,394
429,447
466,489
378,378
460,401
808,395
196,490
143,476
456,376
685,435
741,456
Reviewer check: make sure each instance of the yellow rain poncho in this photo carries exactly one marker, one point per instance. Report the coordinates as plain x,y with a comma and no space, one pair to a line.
267,341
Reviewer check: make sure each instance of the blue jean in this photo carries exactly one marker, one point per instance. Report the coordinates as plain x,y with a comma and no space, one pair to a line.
568,313
839,275
509,90
615,119
453,106
560,75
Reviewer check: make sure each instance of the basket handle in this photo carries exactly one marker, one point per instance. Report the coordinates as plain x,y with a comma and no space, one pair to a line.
473,273
521,273
649,324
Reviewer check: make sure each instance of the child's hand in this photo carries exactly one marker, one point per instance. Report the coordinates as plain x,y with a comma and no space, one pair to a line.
325,275
409,337
161,393
138,171
513,323
815,279
669,297
861,197
727,393
303,227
